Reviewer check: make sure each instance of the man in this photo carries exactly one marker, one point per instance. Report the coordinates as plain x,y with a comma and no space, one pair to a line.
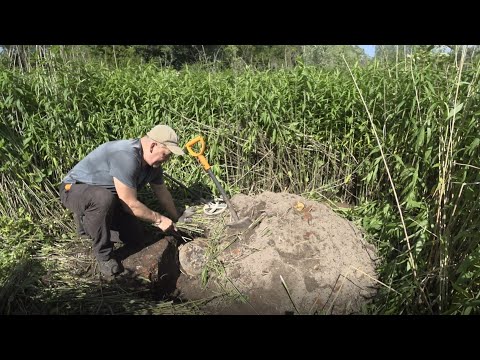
101,190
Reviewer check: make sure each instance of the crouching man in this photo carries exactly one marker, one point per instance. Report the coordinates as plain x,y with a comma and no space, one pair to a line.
101,191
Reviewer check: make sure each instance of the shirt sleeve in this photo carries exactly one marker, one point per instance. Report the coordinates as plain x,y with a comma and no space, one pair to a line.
124,167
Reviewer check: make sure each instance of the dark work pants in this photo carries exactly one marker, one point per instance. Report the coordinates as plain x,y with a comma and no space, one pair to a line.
103,218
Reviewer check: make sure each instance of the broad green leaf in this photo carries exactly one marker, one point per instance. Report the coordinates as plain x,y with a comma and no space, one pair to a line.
420,138
454,111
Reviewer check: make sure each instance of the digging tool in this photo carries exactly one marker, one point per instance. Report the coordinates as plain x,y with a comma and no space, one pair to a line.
237,223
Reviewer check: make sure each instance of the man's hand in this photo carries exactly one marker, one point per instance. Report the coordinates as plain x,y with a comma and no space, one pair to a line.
164,223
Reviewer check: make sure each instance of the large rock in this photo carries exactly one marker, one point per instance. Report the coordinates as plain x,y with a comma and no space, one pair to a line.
158,263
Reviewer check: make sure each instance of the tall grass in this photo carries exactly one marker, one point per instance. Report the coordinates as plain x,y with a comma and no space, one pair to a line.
319,133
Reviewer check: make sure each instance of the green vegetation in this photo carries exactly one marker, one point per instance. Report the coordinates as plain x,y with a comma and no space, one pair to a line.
398,138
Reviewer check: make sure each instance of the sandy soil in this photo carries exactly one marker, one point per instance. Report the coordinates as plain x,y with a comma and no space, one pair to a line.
298,257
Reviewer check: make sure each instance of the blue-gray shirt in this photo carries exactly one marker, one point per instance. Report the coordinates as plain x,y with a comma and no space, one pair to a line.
121,159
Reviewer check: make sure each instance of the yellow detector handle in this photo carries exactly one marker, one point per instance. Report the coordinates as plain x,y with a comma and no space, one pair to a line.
198,155
193,142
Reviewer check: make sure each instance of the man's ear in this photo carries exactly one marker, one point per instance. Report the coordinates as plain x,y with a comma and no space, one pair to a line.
152,145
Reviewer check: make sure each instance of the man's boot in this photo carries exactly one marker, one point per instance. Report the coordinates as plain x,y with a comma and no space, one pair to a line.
110,267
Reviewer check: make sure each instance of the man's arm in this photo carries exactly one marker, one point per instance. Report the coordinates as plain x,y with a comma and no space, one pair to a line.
129,201
166,201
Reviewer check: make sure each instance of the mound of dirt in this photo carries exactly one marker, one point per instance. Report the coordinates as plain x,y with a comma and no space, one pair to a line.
299,256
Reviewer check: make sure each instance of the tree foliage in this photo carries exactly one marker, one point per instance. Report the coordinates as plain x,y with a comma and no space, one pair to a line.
178,56
331,56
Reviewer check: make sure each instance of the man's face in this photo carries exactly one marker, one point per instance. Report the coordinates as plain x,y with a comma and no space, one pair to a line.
159,154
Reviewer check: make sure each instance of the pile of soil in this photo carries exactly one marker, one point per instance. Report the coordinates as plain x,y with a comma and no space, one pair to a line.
298,257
